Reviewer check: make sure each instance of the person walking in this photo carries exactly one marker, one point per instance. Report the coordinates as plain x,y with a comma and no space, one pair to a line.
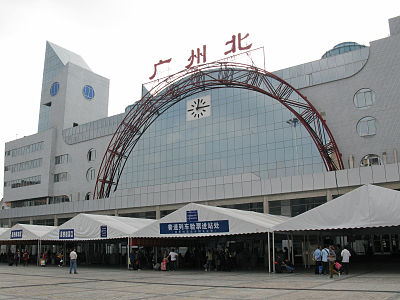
318,259
60,258
173,257
345,259
331,260
25,257
324,259
72,264
209,257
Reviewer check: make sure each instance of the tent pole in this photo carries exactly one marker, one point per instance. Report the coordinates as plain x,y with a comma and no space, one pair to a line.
65,254
292,249
269,256
37,260
304,250
273,250
308,249
128,253
288,242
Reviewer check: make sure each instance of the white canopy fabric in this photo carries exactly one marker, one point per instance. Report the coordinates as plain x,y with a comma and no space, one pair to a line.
365,207
196,220
96,227
25,232
3,230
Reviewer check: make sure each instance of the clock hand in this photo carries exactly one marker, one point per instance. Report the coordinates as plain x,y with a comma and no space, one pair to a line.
198,107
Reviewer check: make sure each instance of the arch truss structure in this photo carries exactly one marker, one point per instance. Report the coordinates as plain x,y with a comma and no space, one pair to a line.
186,83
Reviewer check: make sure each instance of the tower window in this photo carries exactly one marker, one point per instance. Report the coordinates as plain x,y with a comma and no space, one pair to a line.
366,126
364,98
91,155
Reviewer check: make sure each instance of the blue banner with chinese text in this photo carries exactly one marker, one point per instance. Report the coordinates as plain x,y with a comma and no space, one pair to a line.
195,227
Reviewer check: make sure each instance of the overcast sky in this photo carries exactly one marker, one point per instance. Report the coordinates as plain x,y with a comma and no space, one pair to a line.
122,40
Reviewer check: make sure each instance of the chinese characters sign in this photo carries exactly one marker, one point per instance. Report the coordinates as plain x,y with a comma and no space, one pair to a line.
16,234
192,216
66,234
195,227
199,56
103,231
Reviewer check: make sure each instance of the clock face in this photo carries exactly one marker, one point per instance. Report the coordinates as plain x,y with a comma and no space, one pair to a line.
198,108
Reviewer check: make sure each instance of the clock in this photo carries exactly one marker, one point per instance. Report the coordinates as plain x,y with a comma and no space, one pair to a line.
198,108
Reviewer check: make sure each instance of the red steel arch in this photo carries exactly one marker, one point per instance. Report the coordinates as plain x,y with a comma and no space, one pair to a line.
206,77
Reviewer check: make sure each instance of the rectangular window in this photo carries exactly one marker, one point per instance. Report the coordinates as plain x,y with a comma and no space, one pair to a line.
25,149
61,177
23,182
26,165
61,159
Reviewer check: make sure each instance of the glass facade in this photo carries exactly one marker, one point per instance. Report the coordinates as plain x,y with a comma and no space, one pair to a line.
342,48
247,132
294,207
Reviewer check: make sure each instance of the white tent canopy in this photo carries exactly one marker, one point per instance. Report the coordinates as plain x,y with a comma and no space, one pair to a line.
96,227
196,220
25,232
365,207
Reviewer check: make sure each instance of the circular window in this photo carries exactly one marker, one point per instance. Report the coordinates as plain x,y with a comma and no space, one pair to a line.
88,92
54,88
90,174
366,126
364,98
91,155
370,160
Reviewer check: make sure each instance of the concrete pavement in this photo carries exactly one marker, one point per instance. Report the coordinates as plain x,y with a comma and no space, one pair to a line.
105,283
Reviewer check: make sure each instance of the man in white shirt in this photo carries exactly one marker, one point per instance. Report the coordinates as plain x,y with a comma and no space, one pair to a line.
173,256
345,259
72,264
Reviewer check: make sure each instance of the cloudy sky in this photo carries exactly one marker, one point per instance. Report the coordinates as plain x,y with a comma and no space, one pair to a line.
122,40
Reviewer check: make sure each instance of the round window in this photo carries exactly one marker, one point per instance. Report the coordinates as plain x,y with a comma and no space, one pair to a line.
366,126
88,92
91,174
364,98
370,160
54,88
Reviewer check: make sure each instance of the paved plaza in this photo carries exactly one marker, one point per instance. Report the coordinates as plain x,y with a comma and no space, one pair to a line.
105,283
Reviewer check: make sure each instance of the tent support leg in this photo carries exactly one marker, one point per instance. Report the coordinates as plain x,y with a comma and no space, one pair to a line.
304,251
38,251
269,255
308,249
128,253
273,251
292,249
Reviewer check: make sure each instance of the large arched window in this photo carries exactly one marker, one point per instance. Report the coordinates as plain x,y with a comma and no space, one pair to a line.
370,160
364,98
366,126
